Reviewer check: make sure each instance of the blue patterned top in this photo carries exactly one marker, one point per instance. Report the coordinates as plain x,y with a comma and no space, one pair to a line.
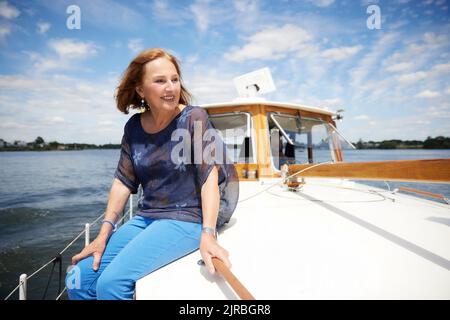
172,165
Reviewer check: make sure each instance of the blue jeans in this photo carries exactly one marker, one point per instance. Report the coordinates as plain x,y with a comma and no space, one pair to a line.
139,247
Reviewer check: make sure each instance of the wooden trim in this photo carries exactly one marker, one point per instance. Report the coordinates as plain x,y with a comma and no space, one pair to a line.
424,193
237,286
427,170
241,168
219,110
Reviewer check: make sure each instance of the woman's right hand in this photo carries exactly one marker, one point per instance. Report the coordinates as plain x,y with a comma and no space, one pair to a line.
95,249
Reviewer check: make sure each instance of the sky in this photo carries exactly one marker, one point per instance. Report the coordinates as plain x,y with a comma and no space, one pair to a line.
386,63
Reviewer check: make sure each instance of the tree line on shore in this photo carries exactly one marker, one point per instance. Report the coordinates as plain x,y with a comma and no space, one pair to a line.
439,142
39,144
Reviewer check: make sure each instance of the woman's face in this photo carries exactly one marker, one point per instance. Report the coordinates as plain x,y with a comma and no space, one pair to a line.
160,85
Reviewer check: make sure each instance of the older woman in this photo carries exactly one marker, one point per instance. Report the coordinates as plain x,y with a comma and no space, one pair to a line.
185,198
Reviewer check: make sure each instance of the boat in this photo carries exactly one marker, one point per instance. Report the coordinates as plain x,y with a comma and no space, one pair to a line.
305,228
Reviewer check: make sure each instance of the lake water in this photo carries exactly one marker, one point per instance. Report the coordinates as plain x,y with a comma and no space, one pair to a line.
47,197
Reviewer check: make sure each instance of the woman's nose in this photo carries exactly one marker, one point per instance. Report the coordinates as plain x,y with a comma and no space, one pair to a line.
169,85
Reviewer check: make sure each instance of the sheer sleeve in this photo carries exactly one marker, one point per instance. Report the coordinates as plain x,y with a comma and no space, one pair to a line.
208,150
125,170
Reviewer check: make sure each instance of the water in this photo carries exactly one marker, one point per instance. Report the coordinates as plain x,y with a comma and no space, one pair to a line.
45,200
47,197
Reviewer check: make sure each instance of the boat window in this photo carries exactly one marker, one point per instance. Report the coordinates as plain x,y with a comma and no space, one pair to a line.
235,130
299,140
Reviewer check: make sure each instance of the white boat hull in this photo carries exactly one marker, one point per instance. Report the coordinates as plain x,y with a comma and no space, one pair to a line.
332,240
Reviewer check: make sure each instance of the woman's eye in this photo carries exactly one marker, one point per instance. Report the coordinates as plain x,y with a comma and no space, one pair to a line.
160,81
175,80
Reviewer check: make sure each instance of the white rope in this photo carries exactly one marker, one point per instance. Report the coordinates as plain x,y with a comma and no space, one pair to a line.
10,294
80,234
59,296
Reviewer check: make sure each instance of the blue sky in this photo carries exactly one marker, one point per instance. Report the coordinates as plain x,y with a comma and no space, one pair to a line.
393,82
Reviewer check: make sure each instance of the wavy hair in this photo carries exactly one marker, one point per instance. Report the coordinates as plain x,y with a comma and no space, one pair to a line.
126,95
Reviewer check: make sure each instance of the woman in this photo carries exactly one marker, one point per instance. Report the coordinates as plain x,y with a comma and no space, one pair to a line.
185,198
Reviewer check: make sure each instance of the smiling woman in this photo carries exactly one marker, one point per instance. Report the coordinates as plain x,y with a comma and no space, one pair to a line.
127,97
183,202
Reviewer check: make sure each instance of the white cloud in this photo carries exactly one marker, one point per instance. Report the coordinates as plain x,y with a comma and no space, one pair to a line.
54,120
439,111
447,91
8,11
440,69
428,94
271,44
212,88
106,123
410,78
43,27
202,15
371,60
247,15
72,49
361,117
4,31
162,11
67,51
59,108
417,53
336,54
435,40
398,67
135,45
245,6
322,3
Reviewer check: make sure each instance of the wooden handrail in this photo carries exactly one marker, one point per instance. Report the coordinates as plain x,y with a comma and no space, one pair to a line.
237,286
424,193
427,170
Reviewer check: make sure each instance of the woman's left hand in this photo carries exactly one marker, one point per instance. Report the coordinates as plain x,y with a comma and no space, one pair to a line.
209,248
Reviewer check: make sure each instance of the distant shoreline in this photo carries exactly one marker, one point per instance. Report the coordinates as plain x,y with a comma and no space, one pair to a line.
118,148
438,143
43,149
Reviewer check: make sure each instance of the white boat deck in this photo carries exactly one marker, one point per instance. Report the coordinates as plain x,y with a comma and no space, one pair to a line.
328,241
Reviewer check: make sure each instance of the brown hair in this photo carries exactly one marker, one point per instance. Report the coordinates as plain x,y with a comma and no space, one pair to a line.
126,96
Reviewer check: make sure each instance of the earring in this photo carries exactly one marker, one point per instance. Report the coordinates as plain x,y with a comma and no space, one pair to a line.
144,105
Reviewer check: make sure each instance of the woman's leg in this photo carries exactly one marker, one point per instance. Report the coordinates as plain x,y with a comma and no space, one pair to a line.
81,281
162,242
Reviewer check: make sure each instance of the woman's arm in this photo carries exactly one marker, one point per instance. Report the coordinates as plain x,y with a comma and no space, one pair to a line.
209,247
118,197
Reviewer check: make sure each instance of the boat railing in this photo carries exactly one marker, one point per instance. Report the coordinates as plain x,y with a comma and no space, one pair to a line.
23,279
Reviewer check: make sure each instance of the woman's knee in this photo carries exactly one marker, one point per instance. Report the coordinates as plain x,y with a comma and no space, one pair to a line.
79,280
113,286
